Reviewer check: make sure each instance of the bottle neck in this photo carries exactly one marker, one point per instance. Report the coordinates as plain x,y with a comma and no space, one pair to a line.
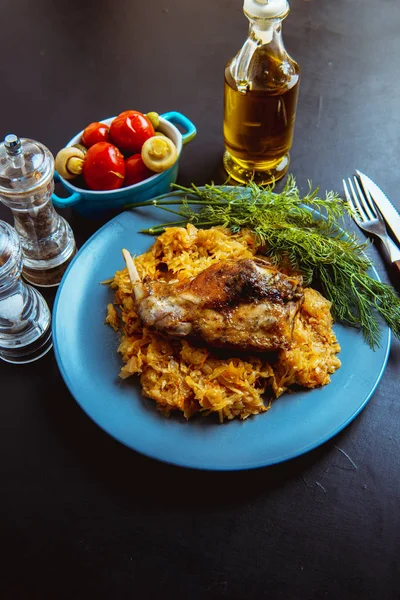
262,33
266,31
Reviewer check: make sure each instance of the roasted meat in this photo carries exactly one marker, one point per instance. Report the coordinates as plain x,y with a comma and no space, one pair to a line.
245,304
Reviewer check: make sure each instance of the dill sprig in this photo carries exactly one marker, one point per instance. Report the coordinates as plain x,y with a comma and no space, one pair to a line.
306,231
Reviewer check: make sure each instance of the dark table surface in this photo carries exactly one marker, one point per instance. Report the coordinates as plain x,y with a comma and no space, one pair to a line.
83,516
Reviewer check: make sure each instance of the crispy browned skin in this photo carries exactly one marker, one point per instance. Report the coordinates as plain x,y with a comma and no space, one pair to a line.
245,304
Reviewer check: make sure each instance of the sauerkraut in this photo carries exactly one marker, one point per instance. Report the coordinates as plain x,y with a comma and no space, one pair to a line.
191,379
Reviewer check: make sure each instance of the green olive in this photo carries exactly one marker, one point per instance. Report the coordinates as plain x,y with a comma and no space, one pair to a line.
159,153
154,118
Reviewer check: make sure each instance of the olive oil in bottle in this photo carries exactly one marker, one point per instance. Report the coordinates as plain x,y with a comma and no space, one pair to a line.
260,98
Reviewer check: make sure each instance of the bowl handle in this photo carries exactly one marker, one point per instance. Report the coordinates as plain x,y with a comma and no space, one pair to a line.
180,119
64,202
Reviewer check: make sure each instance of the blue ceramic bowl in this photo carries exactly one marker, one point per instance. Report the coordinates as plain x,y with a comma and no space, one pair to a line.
88,202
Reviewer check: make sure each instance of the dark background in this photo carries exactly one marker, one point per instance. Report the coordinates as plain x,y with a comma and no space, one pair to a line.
81,515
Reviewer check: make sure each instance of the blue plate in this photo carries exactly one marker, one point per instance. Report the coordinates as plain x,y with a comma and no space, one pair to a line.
86,353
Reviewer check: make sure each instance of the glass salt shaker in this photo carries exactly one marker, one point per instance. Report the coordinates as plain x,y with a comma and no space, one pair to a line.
25,319
26,186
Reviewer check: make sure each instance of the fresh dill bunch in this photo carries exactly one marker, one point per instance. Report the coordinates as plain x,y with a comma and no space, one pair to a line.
305,231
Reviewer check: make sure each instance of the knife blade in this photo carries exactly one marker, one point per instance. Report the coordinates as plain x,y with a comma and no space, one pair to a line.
387,209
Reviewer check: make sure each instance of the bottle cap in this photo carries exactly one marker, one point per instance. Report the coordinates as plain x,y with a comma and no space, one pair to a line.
266,9
25,165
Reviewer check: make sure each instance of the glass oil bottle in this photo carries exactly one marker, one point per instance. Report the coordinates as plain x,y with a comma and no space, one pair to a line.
260,98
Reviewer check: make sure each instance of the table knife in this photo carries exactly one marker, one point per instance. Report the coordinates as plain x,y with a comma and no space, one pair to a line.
387,209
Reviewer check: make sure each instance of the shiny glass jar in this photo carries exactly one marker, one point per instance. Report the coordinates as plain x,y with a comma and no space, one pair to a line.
25,319
26,187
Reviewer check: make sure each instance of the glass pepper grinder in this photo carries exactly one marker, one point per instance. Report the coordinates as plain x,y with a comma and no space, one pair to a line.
26,187
260,98
25,319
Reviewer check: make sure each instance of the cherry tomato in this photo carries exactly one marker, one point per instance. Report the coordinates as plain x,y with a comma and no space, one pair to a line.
136,170
130,130
104,167
94,133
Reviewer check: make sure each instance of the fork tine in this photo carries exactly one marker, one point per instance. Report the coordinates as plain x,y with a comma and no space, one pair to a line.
367,195
364,201
347,195
349,198
359,208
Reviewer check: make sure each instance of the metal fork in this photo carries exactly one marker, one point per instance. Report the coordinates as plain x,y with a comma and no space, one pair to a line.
369,218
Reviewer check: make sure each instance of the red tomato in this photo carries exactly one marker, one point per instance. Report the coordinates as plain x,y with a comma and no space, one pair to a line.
136,170
104,167
130,130
94,133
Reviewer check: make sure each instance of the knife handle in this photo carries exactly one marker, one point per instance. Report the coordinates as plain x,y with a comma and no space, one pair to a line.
392,248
